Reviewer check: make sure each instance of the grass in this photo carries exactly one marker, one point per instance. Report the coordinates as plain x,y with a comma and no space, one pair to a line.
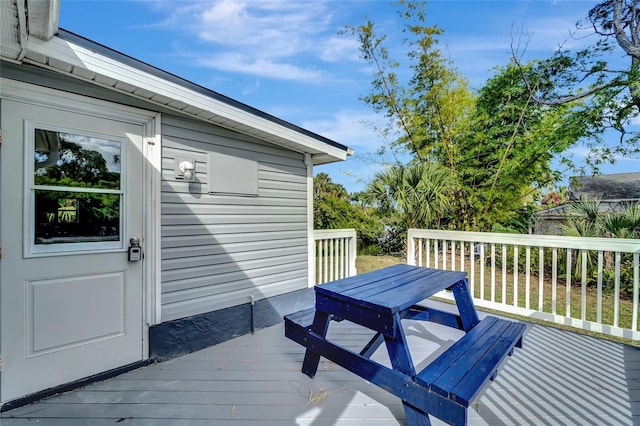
370,263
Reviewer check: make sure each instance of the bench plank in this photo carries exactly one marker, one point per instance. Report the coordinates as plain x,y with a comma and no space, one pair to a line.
468,388
460,372
439,365
302,318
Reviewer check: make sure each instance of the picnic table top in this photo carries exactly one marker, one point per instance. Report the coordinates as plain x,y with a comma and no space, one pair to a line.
392,289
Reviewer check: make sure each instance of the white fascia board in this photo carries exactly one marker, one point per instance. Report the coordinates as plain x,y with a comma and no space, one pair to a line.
138,81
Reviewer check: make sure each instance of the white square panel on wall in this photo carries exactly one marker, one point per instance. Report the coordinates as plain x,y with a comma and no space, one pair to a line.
232,175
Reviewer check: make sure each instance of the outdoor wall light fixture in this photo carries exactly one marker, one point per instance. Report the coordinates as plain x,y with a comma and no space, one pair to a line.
188,170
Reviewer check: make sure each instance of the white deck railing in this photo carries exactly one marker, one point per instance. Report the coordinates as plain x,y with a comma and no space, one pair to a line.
335,254
588,283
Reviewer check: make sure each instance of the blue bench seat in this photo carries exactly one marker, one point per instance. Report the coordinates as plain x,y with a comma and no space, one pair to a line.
461,371
302,319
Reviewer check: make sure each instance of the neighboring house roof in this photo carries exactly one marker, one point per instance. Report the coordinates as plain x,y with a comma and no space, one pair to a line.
612,190
46,46
613,187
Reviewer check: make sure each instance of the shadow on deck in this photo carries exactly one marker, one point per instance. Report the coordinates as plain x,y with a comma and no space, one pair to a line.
558,378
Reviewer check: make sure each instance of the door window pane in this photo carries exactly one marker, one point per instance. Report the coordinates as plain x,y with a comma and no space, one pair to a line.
77,191
72,160
76,217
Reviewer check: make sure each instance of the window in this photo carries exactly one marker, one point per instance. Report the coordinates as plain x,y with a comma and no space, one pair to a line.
76,191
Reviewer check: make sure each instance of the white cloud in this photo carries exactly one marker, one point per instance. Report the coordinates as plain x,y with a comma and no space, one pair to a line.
272,39
335,49
242,64
350,128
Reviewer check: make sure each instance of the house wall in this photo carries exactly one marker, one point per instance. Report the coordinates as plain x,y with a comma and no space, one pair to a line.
219,252
222,250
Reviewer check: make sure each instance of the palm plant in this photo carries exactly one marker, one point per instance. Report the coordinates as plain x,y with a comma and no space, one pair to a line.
418,195
585,219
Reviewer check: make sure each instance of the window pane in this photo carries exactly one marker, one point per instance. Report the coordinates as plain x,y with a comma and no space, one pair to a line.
76,217
66,159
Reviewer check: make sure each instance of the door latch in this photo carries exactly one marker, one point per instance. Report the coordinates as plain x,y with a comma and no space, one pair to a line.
135,251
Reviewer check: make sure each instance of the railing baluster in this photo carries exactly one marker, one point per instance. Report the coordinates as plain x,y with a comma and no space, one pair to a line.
554,280
453,255
583,285
599,290
504,274
541,279
515,275
493,272
616,300
318,260
481,259
472,259
343,258
567,292
636,283
445,243
325,252
332,261
527,282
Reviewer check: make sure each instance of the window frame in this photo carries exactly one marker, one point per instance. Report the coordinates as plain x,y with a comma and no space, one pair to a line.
69,248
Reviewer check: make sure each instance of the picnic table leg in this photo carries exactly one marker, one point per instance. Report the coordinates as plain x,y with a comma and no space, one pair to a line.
466,308
402,362
312,359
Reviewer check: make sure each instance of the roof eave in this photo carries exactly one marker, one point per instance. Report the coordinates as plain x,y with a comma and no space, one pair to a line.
80,58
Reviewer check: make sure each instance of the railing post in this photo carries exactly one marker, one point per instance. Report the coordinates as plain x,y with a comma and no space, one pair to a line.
353,242
411,248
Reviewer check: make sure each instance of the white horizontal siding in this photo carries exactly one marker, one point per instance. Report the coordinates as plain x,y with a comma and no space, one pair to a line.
191,241
223,300
222,250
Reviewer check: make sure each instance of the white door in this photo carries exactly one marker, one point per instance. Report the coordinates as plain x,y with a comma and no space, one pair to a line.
72,197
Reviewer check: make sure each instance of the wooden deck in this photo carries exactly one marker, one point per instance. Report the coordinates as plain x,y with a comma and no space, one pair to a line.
558,378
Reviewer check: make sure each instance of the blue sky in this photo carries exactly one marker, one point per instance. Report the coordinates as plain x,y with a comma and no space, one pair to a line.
287,58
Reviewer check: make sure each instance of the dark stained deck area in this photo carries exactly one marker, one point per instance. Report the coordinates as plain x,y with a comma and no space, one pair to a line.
558,378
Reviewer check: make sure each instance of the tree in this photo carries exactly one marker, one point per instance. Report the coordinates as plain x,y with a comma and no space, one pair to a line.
332,209
497,146
429,112
508,161
418,195
608,95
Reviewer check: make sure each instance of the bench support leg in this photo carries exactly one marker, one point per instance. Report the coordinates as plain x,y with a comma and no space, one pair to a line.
312,359
468,313
372,346
415,417
401,360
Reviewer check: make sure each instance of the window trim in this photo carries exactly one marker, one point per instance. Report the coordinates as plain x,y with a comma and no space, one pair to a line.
31,249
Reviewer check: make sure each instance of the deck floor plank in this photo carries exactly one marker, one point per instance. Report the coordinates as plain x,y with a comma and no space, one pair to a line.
558,378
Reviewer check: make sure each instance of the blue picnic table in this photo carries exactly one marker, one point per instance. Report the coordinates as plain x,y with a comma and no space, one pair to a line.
379,301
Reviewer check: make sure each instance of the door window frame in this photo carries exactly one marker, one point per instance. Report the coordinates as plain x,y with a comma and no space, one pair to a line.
35,250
